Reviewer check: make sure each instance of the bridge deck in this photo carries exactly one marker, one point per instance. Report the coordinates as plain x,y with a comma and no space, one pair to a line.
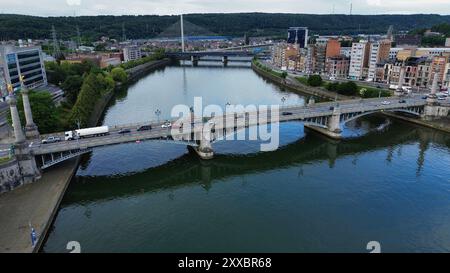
295,113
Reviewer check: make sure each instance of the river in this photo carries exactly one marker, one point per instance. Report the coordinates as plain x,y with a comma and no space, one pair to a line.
387,181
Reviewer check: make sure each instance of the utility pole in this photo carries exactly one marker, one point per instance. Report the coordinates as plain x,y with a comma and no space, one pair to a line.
78,37
56,50
182,34
351,8
124,36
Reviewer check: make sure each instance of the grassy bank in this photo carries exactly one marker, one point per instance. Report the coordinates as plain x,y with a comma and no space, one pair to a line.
281,75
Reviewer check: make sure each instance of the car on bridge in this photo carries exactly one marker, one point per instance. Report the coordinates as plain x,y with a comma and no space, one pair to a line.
402,101
286,114
144,128
385,102
166,125
124,131
51,139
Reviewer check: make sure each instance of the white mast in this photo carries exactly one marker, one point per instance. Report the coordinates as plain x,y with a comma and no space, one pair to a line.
182,33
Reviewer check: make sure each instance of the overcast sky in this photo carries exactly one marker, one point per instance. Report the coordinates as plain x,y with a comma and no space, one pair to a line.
161,7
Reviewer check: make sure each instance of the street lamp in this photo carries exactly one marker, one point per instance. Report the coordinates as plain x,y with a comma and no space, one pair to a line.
283,99
158,113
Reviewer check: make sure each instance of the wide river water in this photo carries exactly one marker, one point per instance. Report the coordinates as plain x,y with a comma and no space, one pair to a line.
387,181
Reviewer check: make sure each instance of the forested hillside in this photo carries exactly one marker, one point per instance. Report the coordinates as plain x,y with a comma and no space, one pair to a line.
236,24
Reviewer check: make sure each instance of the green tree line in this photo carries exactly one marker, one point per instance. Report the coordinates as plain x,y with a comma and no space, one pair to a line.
14,26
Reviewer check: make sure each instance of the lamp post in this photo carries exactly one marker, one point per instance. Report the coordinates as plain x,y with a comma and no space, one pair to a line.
158,113
283,99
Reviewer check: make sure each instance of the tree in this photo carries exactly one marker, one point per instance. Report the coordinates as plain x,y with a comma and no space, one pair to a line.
119,74
284,74
348,89
43,109
333,86
55,73
95,85
315,80
71,87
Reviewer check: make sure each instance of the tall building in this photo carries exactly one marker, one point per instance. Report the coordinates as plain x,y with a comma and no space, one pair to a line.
22,61
298,35
379,52
321,55
310,59
438,65
284,53
333,48
337,67
131,53
359,60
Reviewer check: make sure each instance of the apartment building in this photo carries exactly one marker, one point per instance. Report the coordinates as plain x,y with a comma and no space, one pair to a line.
131,53
283,53
359,62
337,66
321,55
310,59
379,52
22,61
438,65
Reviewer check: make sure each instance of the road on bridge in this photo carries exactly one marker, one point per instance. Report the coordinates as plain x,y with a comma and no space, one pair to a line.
287,114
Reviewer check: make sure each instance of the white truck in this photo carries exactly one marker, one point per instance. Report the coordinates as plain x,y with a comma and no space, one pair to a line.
88,132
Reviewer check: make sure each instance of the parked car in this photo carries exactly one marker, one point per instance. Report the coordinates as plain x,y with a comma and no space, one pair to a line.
166,125
51,139
124,131
424,97
144,128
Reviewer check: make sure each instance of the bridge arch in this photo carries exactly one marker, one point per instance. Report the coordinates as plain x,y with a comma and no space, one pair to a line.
345,118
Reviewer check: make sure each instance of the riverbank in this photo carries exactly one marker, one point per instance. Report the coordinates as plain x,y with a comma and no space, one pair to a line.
295,86
442,125
37,204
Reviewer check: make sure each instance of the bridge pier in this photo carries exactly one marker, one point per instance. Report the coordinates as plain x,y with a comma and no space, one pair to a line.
432,109
194,60
225,60
204,150
334,124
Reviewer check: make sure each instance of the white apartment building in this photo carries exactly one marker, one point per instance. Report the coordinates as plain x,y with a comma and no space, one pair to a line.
131,53
379,52
21,61
359,60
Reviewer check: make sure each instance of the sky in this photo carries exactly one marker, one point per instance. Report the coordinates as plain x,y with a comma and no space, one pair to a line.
164,7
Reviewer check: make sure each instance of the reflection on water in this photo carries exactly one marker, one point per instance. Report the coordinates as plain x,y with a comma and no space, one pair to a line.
388,182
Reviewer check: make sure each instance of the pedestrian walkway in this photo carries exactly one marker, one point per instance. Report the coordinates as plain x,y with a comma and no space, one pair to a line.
32,205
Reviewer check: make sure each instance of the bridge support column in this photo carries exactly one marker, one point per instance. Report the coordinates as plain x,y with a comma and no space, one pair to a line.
204,149
334,124
225,60
27,163
432,109
31,130
194,60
